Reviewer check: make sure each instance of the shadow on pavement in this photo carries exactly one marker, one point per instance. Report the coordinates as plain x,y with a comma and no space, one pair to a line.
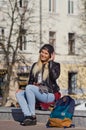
17,115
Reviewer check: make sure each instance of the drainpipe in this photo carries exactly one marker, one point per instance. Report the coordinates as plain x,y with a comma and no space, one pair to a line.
40,22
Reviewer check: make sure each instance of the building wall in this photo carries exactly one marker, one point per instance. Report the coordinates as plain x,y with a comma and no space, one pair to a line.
81,75
62,23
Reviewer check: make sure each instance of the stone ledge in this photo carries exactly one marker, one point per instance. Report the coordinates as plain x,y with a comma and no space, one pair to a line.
12,113
40,112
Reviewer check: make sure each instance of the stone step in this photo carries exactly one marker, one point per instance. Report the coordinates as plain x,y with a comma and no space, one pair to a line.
12,113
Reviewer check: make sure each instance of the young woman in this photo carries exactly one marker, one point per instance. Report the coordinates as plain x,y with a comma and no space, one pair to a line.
41,86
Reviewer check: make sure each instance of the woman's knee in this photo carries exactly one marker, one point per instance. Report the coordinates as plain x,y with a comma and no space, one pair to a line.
31,88
28,87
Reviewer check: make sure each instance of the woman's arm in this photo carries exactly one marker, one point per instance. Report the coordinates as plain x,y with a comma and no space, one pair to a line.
31,75
54,70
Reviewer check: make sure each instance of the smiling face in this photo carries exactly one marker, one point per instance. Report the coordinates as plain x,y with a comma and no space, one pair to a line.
44,55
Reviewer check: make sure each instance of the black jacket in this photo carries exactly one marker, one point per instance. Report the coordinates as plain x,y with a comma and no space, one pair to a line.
50,82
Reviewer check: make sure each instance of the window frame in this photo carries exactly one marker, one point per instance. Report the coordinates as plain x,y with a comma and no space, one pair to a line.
53,6
52,38
71,43
72,82
70,7
23,3
22,41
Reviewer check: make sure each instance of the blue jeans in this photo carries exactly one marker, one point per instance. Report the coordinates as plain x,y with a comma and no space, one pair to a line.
27,99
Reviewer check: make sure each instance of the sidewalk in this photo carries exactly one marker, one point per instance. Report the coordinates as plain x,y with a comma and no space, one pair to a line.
14,125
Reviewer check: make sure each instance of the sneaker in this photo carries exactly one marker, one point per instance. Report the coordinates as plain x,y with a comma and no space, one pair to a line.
29,120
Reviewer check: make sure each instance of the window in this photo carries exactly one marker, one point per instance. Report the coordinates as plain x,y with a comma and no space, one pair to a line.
71,43
70,6
2,38
52,38
72,82
20,2
52,5
23,3
2,35
22,42
22,39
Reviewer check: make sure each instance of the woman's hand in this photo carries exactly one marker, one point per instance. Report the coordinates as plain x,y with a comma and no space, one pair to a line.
52,56
19,90
36,84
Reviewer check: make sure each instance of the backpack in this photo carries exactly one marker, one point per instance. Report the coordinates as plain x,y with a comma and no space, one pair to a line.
62,113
